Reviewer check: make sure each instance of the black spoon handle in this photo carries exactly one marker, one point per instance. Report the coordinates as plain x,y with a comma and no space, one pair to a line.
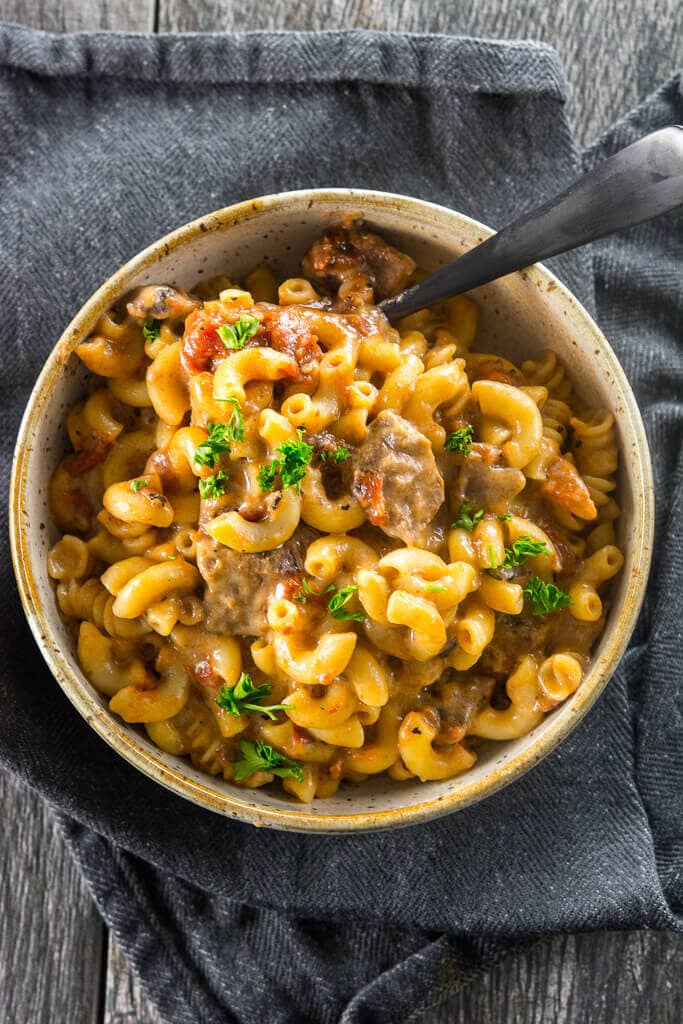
636,184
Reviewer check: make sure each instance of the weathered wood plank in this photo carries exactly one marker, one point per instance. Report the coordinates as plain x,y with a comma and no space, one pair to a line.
629,977
79,15
50,934
51,937
125,1002
614,52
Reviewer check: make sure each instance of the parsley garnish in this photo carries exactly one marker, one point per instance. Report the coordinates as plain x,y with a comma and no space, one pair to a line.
545,597
460,441
259,757
151,329
239,699
236,424
506,518
336,604
493,562
468,518
266,475
137,485
523,548
340,455
435,588
307,591
235,336
292,459
217,443
213,486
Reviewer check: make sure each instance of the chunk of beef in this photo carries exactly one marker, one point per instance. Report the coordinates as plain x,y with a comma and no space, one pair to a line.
161,302
239,584
571,634
486,484
459,699
515,636
354,256
396,479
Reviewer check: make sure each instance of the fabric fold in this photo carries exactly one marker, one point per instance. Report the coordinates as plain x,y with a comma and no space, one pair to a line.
397,59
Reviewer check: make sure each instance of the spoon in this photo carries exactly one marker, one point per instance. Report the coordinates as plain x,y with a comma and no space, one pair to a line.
636,184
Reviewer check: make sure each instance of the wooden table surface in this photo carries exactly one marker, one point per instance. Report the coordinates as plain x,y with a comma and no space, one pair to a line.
57,963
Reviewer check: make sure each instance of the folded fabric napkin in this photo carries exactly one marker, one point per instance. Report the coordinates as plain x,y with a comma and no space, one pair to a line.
108,142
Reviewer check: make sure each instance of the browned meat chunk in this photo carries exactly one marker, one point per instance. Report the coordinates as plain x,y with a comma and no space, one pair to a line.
395,478
459,700
515,636
356,257
161,302
485,484
239,584
570,634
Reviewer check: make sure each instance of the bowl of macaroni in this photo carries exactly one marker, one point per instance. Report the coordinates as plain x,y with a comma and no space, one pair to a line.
313,570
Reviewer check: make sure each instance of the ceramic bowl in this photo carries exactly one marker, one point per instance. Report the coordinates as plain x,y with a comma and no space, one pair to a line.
521,314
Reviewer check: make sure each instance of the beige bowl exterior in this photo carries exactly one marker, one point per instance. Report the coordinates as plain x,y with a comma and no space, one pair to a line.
521,314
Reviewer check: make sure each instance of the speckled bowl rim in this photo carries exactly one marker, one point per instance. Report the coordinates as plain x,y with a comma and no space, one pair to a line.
237,803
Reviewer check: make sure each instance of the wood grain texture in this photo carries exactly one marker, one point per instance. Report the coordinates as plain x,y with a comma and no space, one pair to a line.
624,977
50,934
79,15
51,941
614,51
125,1002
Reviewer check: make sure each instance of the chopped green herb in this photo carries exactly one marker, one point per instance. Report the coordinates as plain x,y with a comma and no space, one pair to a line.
340,455
460,441
151,329
171,558
236,423
506,518
267,474
229,337
137,485
213,486
259,757
217,443
435,588
545,597
468,517
239,699
291,461
235,336
336,605
523,548
307,591
493,562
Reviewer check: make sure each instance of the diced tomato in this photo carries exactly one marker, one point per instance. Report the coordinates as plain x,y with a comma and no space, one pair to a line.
490,454
201,343
286,330
368,488
565,487
93,452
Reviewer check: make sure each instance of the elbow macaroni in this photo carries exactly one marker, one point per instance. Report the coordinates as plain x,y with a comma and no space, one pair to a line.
367,653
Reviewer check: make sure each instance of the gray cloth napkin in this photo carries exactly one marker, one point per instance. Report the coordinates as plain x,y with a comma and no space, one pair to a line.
108,142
